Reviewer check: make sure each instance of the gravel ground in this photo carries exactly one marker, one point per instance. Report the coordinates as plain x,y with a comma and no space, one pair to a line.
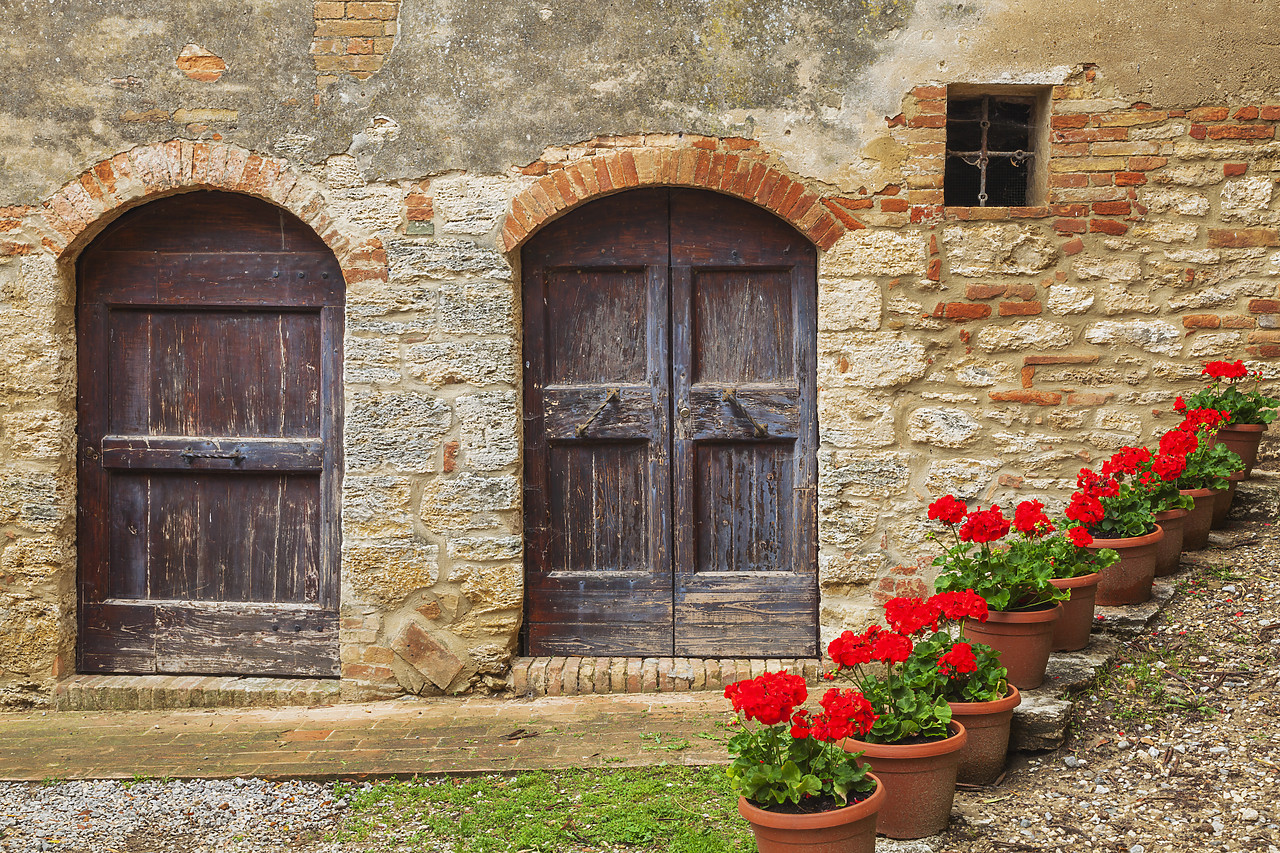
1177,747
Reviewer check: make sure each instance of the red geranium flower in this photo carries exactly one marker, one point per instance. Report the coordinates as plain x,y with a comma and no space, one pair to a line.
889,647
948,510
961,604
770,698
1178,442
1030,520
1080,537
984,526
908,615
1084,508
850,649
1225,370
1168,467
960,659
1126,460
1209,419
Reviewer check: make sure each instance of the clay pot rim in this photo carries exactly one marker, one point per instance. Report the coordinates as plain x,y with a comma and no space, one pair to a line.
995,706
911,750
1195,493
1170,514
1091,579
1243,428
1025,617
818,820
1237,477
1130,541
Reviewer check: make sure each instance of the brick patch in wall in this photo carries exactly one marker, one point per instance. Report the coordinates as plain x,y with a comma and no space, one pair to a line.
352,38
578,676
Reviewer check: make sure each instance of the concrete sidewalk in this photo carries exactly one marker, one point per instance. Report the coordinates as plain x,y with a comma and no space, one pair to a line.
392,738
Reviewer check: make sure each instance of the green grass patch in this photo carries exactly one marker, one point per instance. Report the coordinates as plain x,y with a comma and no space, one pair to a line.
666,809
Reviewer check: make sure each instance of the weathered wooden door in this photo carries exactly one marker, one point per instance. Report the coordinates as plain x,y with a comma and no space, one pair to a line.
209,450
671,430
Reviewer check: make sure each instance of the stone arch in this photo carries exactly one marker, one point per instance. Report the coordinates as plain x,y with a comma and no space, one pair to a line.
733,167
82,207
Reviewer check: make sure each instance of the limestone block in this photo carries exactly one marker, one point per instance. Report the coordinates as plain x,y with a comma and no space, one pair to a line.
1117,299
1028,334
485,548
1040,721
845,304
445,259
942,427
1210,297
464,363
1065,299
33,560
342,172
471,205
487,625
42,285
477,307
1247,199
998,249
843,522
1177,371
843,568
1118,420
1168,200
869,251
376,299
1090,268
1078,375
1150,335
1189,175
1066,419
1193,256
370,360
32,634
369,208
491,658
386,572
35,352
39,434
853,418
981,373
397,429
490,586
1166,232
967,479
869,360
41,503
376,507
1210,346
1109,441
451,503
490,429
838,614
862,473
428,652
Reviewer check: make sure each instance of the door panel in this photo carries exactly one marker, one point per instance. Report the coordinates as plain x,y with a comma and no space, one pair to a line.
670,430
210,450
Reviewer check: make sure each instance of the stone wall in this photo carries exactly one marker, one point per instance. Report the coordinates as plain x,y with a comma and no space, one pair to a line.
987,353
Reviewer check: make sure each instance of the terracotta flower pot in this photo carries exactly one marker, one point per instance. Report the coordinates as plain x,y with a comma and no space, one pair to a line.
1129,581
987,723
1222,499
1195,527
1242,439
1023,639
851,829
919,782
1169,551
1071,631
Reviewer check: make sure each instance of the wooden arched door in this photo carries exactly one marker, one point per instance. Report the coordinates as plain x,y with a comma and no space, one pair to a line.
210,354
671,430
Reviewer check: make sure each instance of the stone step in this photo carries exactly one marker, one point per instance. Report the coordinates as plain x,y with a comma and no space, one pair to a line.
577,676
146,692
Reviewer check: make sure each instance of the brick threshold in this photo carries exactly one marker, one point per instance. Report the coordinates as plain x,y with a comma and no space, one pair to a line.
163,692
580,676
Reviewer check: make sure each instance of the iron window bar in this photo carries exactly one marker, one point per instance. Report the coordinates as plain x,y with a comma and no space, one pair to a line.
982,157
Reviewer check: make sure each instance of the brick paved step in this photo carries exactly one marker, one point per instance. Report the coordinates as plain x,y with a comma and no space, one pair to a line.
143,692
579,676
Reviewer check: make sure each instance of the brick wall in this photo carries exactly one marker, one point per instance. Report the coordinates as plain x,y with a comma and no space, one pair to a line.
353,38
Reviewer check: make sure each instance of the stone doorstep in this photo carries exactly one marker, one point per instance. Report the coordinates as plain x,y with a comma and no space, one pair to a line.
163,692
578,676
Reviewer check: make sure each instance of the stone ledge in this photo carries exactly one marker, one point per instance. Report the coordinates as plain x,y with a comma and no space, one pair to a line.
162,692
580,676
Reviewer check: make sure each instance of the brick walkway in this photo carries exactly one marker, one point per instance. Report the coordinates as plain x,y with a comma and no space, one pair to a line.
376,739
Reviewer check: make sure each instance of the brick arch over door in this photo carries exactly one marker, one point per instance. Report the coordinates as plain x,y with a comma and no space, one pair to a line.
746,176
671,430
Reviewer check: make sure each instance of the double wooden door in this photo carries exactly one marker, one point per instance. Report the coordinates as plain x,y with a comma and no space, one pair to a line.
209,449
671,430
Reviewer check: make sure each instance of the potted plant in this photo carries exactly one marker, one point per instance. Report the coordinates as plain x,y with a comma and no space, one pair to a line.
1206,475
1169,505
1077,569
1012,575
799,788
914,745
1249,410
967,674
1114,509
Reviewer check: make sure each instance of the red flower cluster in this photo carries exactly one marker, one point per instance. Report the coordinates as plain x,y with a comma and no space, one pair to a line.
769,699
1080,537
948,510
1029,519
1127,461
908,615
845,713
850,649
1210,419
1178,442
889,647
959,660
984,526
1225,370
961,604
1169,467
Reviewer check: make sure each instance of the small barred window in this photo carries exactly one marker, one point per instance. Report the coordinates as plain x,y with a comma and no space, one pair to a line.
991,156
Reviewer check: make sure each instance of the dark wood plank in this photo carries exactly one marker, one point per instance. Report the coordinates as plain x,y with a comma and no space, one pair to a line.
117,637
774,409
129,514
575,413
742,325
188,453
263,640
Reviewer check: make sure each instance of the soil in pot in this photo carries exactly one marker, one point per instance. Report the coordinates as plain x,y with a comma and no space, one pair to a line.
987,724
919,781
1129,580
1243,439
1023,639
1071,631
851,829
1195,527
1169,551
